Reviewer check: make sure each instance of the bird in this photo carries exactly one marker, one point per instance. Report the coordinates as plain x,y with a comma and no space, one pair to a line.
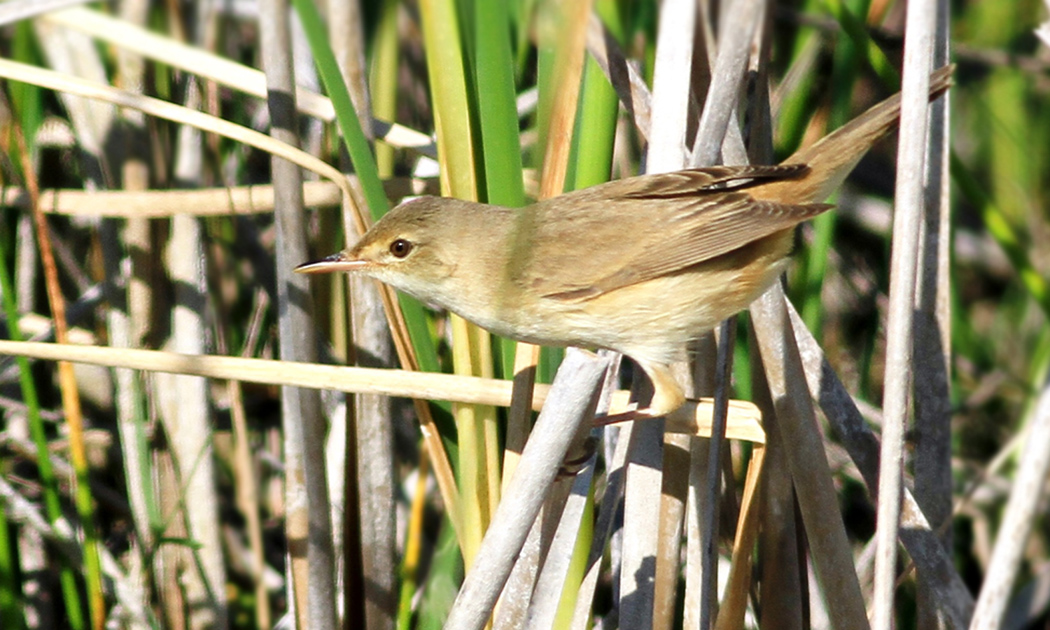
641,265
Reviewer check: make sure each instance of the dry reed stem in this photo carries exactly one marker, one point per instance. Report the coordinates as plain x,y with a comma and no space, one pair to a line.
207,65
909,205
630,87
694,417
574,395
566,81
803,444
526,356
169,111
738,584
201,202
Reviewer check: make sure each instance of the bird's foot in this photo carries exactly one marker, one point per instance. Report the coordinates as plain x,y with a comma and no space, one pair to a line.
696,417
667,397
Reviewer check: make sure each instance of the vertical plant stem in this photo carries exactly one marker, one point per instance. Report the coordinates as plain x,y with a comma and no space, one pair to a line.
832,559
247,501
709,524
346,34
642,524
70,399
571,401
520,412
567,73
1018,520
405,316
933,405
497,115
931,559
52,505
413,537
494,81
909,201
452,116
501,152
10,608
782,576
595,133
369,545
674,493
349,124
309,519
185,407
383,78
447,66
735,39
131,299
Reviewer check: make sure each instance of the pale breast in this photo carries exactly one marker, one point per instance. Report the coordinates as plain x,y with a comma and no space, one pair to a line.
653,320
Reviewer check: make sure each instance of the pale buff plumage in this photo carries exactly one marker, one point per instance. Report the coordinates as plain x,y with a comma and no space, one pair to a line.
640,265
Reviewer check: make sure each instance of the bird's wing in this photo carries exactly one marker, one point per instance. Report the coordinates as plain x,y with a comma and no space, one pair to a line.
630,231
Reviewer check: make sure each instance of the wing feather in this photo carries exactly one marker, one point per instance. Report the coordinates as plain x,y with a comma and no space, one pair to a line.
617,235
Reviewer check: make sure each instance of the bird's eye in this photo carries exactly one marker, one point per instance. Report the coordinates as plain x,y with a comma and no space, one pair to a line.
400,248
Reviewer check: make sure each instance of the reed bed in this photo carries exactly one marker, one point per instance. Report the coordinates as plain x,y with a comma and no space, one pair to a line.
180,448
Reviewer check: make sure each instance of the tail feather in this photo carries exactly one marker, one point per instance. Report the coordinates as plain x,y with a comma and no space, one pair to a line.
833,157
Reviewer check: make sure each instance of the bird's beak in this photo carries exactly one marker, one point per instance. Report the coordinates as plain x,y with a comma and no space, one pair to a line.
336,262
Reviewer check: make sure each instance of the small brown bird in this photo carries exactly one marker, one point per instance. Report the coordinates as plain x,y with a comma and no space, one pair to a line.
640,265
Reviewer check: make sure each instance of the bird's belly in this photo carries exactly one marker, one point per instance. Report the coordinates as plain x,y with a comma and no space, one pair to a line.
654,319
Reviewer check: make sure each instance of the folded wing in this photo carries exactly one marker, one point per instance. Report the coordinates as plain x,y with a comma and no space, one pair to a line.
662,224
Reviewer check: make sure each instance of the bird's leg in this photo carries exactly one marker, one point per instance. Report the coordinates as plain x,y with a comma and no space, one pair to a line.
667,396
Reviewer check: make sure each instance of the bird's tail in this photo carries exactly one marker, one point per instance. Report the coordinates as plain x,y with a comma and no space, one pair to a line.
833,157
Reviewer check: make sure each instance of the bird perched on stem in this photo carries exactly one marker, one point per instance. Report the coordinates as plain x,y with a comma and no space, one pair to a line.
641,265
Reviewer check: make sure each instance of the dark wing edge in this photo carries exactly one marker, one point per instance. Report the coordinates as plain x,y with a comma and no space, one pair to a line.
694,181
711,179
